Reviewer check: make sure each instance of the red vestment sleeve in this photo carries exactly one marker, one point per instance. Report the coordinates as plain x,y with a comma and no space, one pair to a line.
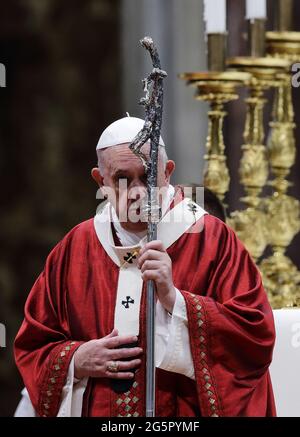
43,346
232,331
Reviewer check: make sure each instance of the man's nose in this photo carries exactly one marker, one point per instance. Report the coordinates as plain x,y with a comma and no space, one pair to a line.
137,191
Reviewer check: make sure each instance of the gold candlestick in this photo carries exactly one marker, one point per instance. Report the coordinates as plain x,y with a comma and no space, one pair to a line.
281,276
216,51
256,37
253,168
283,45
284,15
217,88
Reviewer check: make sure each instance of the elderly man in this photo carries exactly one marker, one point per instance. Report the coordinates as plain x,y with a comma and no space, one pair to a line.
81,347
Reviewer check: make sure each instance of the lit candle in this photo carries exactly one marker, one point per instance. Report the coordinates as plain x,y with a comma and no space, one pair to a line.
256,9
215,16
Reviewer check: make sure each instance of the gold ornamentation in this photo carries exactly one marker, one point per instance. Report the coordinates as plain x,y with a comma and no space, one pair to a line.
216,88
281,279
250,224
280,276
204,372
112,366
127,402
284,45
54,378
129,258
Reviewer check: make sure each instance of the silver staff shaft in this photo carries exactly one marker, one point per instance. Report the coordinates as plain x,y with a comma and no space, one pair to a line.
154,214
150,336
153,103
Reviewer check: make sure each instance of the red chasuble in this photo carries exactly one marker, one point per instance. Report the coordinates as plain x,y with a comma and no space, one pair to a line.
229,318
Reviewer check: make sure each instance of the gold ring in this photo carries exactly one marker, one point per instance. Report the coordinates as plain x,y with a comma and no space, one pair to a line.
112,366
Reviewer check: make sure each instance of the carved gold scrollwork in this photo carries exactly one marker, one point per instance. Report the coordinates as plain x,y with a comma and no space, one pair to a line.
216,88
251,224
281,277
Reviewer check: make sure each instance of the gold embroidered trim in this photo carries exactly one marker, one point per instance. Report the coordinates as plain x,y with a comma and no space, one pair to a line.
206,380
127,402
55,374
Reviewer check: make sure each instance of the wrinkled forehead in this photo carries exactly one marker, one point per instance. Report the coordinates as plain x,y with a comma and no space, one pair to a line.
121,157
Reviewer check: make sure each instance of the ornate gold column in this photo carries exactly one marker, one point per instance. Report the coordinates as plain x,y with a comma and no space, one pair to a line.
281,276
216,88
250,224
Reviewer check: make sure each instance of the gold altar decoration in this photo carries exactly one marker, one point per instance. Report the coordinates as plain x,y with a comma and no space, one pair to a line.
216,88
251,224
281,277
273,220
283,45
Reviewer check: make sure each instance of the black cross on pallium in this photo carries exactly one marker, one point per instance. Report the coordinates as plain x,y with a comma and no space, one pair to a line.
193,207
128,301
129,257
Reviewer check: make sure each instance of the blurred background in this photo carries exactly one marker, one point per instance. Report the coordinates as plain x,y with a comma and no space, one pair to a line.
73,67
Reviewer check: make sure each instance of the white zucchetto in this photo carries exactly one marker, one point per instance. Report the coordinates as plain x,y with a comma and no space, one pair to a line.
122,131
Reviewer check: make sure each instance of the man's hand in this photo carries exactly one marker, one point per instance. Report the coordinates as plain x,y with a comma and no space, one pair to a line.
155,263
93,357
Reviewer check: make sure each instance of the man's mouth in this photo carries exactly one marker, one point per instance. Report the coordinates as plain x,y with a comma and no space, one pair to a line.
134,212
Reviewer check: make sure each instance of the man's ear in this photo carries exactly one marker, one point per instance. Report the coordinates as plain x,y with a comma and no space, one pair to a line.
170,167
96,175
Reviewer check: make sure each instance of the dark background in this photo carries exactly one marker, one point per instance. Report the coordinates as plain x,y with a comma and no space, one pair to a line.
62,64
63,88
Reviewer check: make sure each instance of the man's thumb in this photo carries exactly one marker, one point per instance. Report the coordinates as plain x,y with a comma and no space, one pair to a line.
113,333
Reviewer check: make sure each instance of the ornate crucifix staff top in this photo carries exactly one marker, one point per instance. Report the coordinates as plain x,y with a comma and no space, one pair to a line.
153,103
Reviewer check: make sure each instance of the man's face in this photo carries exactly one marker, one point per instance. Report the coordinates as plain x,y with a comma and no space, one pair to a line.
123,173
